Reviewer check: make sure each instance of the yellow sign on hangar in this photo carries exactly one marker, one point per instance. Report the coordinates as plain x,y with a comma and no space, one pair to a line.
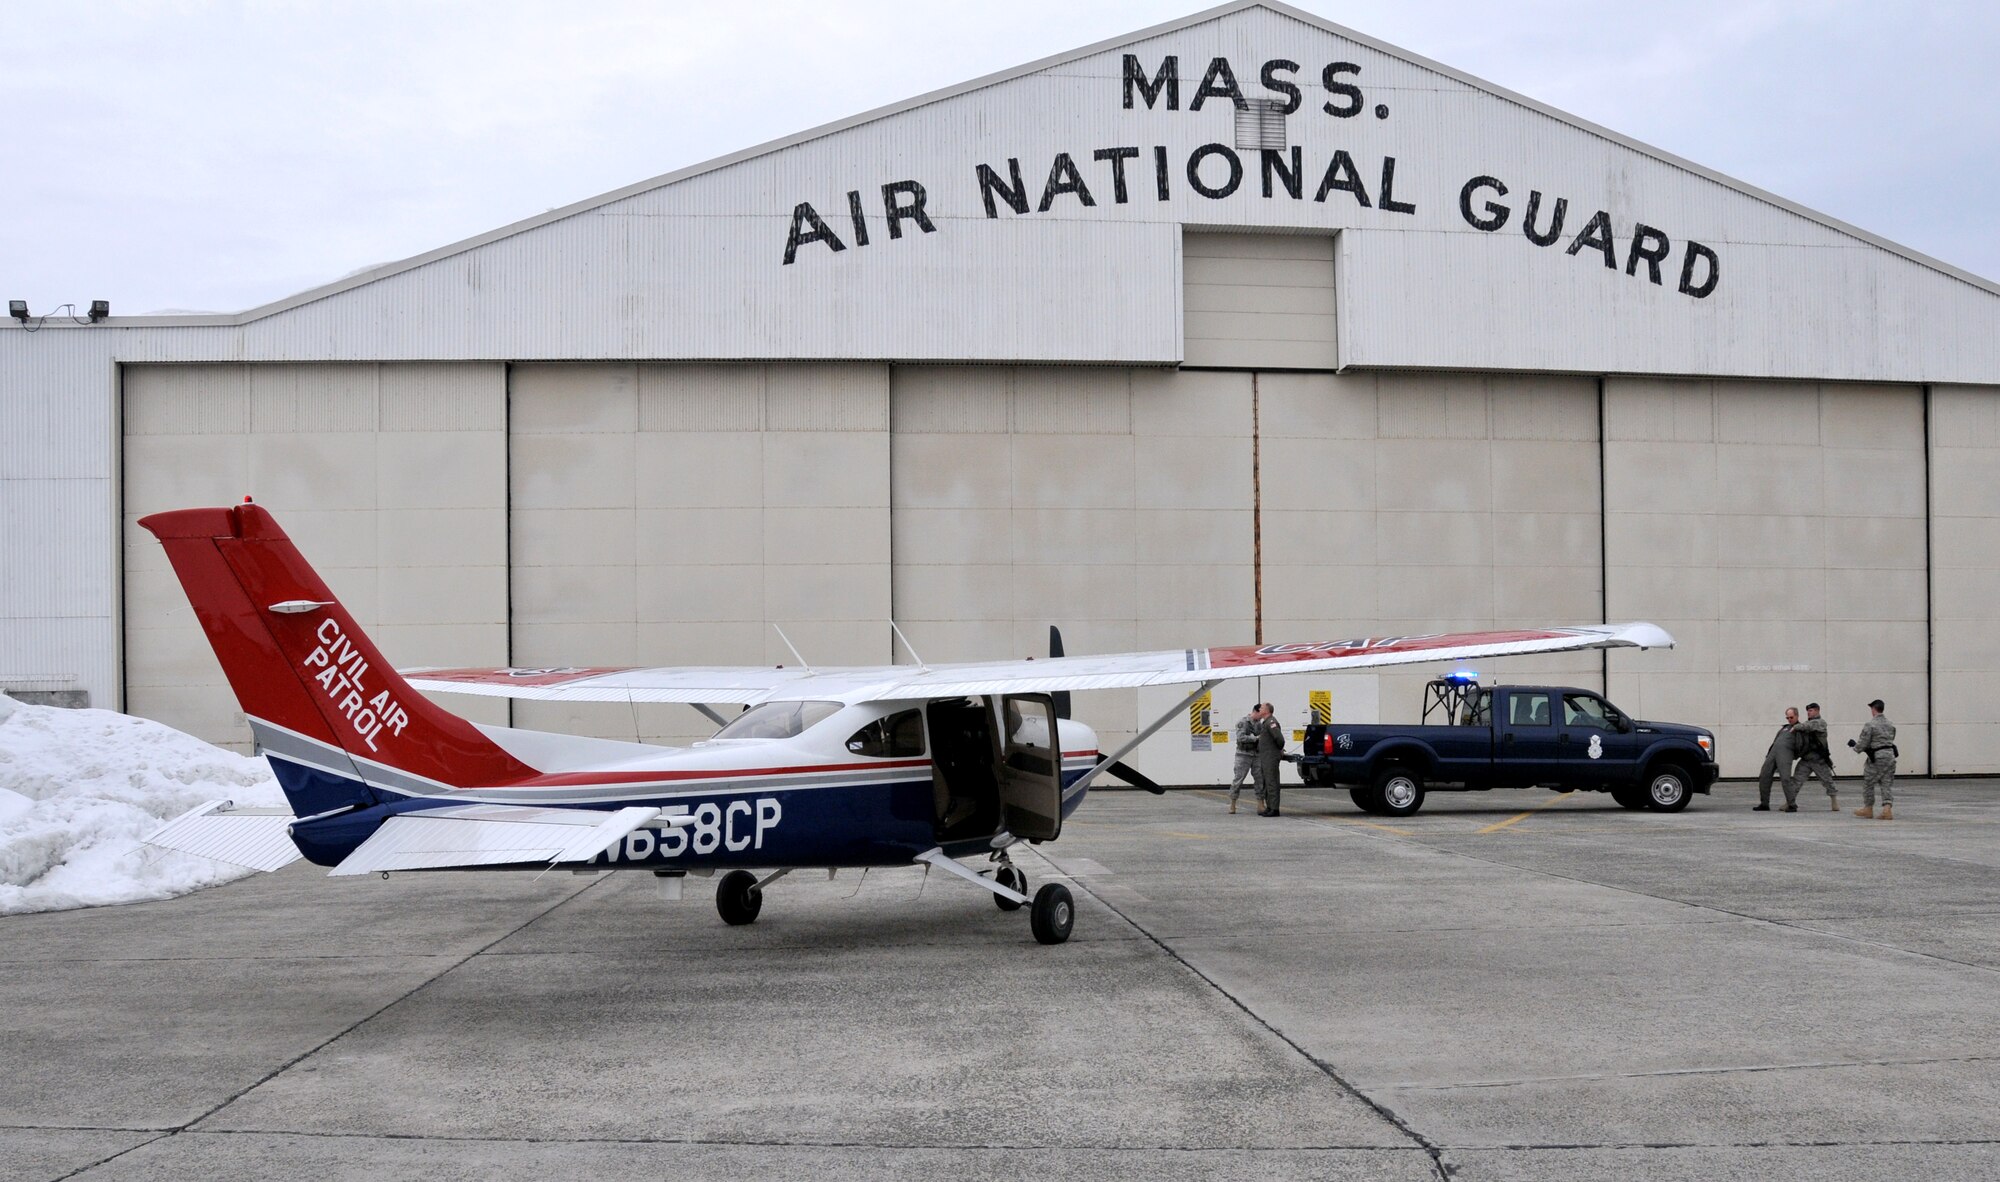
1201,726
1319,705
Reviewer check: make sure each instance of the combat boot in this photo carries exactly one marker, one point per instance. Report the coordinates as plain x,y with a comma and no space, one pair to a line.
1888,814
1232,806
1833,802
1866,814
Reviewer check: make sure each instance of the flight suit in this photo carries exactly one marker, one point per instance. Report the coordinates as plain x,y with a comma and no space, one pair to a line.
1877,745
1245,736
1778,761
1270,750
1815,757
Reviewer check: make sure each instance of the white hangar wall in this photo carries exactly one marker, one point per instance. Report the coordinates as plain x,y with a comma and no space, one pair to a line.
391,479
672,514
1777,530
1361,326
1965,576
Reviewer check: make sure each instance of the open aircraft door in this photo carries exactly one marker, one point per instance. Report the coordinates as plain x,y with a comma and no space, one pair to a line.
1030,769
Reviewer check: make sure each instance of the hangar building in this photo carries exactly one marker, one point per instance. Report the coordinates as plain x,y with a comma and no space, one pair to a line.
1244,327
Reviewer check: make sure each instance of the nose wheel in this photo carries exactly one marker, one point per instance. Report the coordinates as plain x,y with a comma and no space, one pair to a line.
1014,879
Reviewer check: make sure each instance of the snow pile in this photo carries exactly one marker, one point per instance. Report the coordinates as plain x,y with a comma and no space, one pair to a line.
80,788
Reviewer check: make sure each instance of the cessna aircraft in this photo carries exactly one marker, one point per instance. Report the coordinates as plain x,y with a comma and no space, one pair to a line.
827,768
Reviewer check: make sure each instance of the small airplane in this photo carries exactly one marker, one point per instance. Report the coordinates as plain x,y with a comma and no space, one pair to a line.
824,769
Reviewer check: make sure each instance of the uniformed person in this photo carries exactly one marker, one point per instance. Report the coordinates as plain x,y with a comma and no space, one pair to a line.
1815,757
1778,761
1877,746
1245,735
1270,751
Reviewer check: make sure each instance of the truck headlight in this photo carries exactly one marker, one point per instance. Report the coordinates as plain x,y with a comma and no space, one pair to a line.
1707,744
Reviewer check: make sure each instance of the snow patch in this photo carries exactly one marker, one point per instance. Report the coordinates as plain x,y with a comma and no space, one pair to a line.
79,789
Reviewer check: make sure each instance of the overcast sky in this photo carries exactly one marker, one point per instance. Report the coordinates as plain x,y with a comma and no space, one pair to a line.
217,156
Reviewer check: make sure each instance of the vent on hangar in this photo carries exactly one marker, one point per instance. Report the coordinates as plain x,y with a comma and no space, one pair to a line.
1260,123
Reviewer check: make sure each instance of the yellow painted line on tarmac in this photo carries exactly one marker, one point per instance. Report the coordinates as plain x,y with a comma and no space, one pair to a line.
1520,817
1189,836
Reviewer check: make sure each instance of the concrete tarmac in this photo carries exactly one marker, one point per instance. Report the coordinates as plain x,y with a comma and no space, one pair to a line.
1508,985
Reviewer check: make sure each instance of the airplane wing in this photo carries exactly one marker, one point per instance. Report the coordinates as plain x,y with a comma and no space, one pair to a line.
752,684
492,835
691,683
1197,665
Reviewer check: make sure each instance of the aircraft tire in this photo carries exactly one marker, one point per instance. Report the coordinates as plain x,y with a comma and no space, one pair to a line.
1365,799
738,899
1054,914
1014,877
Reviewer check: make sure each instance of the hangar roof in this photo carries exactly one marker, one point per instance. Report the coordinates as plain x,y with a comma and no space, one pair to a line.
1035,215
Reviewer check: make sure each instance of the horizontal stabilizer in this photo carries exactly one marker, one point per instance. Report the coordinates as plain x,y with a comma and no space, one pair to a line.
495,835
258,838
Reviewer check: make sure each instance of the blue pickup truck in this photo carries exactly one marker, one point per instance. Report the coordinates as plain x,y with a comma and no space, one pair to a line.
1510,736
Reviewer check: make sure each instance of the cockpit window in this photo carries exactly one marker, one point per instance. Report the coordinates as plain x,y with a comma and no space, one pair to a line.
778,720
899,735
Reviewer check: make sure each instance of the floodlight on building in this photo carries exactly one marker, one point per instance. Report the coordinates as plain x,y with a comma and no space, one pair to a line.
18,309
99,309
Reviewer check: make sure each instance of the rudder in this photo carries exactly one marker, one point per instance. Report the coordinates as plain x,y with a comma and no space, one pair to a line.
340,725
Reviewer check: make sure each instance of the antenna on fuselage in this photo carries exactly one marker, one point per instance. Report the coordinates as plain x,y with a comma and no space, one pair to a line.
921,663
793,647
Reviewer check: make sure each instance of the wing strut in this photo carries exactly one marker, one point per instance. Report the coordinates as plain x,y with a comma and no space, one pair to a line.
1103,765
935,856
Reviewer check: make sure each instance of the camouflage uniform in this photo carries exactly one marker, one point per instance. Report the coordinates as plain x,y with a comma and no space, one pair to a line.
1877,745
1778,761
1246,757
1270,749
1815,758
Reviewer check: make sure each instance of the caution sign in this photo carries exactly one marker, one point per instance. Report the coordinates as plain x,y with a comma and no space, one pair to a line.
1201,731
1321,704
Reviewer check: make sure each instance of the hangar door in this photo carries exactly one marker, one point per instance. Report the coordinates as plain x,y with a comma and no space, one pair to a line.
391,478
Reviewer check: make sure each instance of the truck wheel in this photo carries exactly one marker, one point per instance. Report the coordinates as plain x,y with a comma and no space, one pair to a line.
1365,799
1399,791
1631,796
1667,789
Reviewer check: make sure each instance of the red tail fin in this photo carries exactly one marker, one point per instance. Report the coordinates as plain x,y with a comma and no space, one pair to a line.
296,659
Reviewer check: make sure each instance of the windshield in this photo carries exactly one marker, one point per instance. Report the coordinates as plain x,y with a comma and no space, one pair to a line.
777,720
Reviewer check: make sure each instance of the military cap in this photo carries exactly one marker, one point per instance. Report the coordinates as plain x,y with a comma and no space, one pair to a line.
1877,705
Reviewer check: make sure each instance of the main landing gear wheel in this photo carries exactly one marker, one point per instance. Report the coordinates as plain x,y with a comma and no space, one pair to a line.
1400,791
1667,790
738,898
1054,914
1365,799
1014,879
